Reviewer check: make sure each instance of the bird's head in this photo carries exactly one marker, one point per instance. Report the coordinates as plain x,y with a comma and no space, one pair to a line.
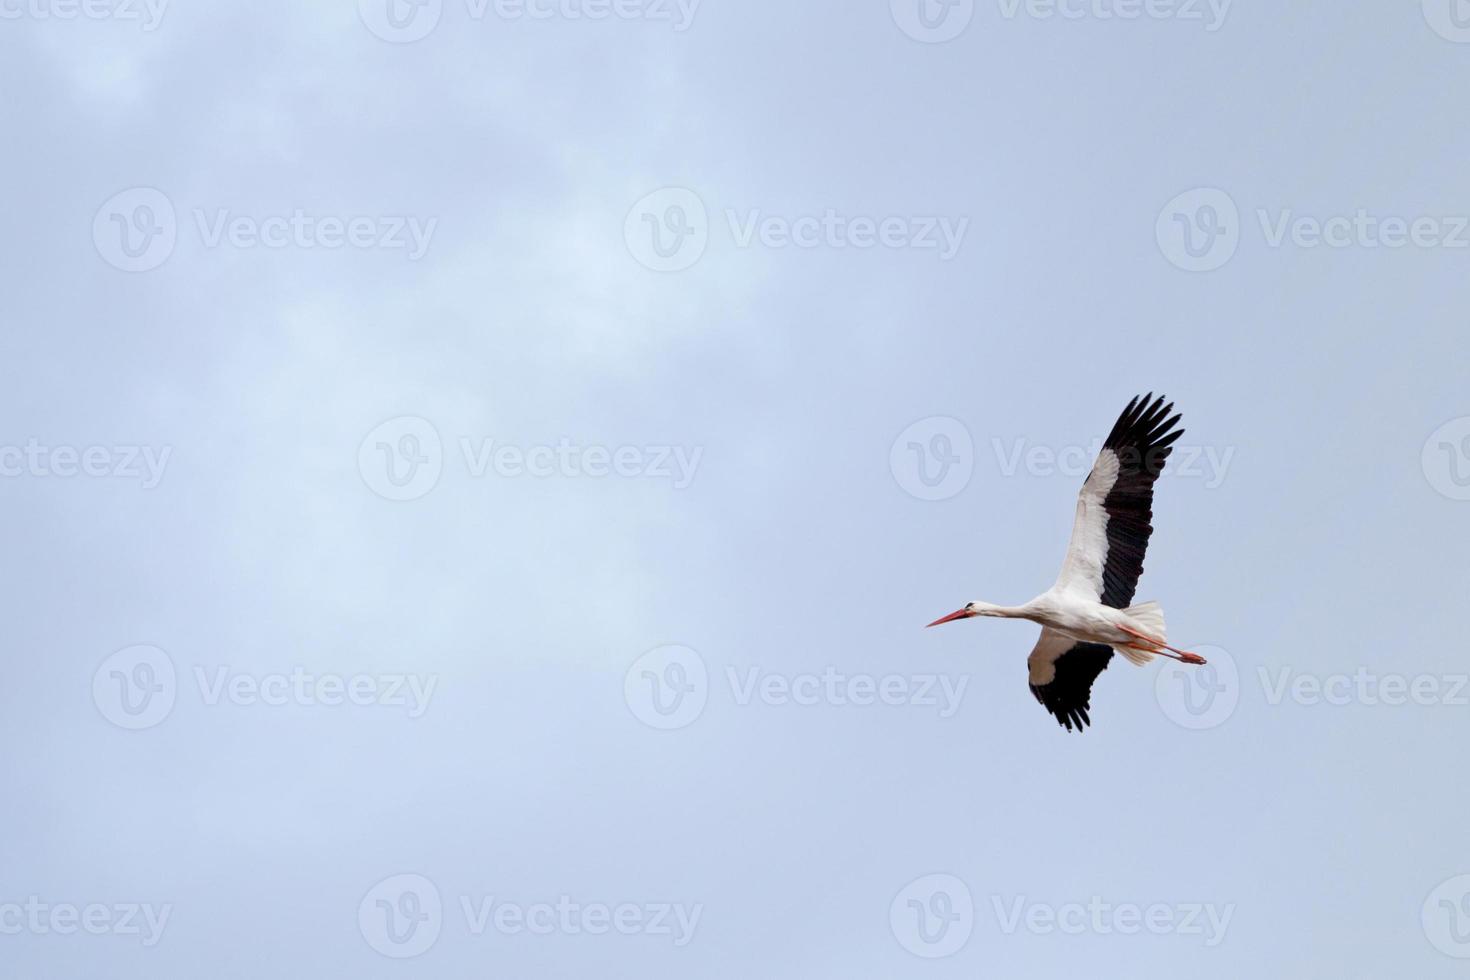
971,609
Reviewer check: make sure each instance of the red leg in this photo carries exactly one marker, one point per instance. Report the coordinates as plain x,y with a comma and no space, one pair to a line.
1152,645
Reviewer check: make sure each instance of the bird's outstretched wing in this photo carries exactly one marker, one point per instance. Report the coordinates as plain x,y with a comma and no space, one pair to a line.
1061,674
1115,506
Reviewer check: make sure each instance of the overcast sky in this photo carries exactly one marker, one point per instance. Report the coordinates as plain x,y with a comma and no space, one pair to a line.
475,473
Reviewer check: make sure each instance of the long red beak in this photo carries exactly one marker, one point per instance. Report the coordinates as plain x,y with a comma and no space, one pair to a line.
958,614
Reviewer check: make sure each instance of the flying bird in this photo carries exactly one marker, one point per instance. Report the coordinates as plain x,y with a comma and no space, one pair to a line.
1088,615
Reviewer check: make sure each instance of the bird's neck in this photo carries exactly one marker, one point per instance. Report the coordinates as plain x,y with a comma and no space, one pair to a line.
1000,612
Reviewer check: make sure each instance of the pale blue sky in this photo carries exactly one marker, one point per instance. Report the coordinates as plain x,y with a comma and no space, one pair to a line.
348,251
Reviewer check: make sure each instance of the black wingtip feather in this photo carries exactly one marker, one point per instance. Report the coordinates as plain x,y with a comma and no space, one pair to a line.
1143,438
1068,697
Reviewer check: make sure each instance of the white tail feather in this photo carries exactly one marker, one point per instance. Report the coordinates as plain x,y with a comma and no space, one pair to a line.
1150,618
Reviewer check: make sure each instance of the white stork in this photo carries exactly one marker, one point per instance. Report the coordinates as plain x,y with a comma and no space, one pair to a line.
1087,614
